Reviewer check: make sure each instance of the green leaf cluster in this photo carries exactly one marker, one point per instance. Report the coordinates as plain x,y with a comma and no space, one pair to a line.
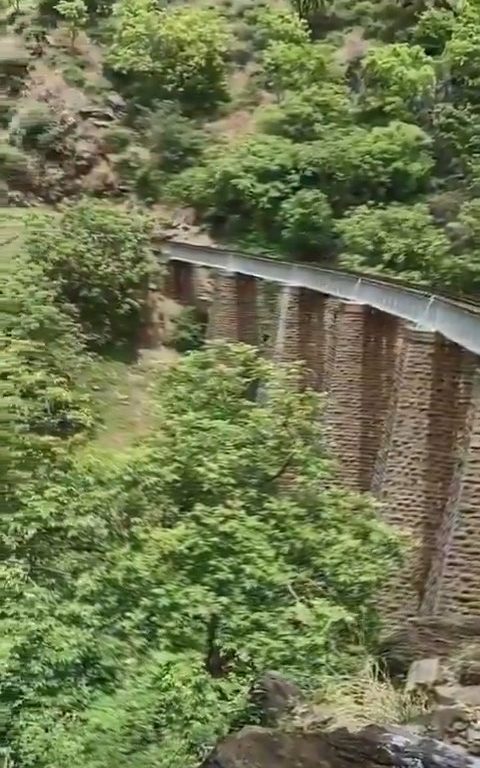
98,258
360,128
176,53
144,592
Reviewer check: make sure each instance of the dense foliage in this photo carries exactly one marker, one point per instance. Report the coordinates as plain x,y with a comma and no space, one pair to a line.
365,129
176,53
143,594
98,259
282,125
143,591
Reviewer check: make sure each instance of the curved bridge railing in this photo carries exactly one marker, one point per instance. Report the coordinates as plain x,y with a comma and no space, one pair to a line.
456,320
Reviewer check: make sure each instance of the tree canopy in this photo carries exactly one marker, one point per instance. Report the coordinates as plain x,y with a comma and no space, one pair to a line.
145,589
145,593
179,52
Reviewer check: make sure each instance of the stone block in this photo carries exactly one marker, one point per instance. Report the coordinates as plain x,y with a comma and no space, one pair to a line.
423,673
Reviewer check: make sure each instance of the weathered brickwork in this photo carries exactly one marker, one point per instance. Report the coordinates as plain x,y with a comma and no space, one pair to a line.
332,307
247,310
223,315
454,584
360,353
456,372
304,323
312,346
344,402
180,282
234,312
418,457
284,344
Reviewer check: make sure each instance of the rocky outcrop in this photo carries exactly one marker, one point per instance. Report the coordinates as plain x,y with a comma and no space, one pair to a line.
371,747
273,696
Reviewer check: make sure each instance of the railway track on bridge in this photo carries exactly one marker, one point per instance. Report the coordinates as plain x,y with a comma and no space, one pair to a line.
456,319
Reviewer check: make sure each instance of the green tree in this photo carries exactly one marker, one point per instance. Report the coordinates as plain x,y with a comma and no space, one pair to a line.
75,13
308,114
399,81
99,259
245,185
150,589
397,240
307,224
357,165
460,60
463,270
175,141
272,25
434,29
293,66
43,357
177,53
307,8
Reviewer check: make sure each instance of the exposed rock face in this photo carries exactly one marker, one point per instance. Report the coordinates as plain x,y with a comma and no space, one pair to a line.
370,748
274,696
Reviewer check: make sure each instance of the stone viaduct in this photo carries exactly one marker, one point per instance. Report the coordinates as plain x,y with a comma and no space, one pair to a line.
401,371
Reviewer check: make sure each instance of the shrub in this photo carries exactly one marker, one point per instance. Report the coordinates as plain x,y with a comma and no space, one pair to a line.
174,140
74,75
369,696
99,258
117,138
189,330
30,124
138,174
14,164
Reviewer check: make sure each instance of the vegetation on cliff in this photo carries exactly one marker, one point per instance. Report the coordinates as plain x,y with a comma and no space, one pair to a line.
300,129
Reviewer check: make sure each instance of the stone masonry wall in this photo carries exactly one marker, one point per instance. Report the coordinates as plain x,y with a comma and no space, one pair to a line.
359,379
418,458
304,323
453,587
248,320
455,371
344,402
223,322
233,313
381,340
285,342
180,282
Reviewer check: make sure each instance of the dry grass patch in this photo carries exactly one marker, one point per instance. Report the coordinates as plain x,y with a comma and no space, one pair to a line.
365,698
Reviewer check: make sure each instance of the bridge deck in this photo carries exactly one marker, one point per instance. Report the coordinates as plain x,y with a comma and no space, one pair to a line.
456,320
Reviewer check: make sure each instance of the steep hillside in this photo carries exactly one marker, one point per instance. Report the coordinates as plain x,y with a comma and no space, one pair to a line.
346,130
